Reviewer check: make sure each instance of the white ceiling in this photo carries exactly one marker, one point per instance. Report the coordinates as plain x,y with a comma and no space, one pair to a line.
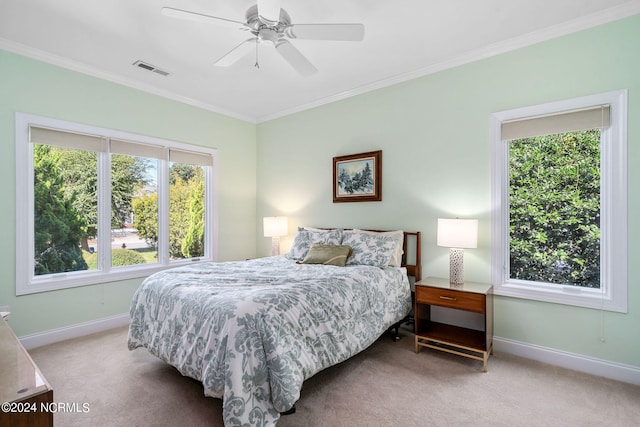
403,39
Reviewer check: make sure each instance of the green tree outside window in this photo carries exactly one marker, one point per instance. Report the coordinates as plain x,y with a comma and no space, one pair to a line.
554,208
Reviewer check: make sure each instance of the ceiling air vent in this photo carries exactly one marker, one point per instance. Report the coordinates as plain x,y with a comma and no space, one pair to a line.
149,67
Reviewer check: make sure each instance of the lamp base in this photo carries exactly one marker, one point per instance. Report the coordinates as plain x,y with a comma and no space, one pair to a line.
275,246
456,266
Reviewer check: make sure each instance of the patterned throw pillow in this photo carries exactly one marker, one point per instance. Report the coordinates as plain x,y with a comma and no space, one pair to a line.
369,249
396,258
327,255
305,238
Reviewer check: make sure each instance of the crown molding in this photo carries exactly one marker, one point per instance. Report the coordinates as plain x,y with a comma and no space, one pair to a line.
579,24
50,58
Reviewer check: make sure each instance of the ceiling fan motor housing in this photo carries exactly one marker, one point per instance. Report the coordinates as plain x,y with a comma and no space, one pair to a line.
255,20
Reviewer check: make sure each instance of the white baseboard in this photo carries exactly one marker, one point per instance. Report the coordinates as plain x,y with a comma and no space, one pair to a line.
60,334
576,362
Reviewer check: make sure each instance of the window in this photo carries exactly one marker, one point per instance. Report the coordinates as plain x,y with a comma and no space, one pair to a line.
559,209
96,205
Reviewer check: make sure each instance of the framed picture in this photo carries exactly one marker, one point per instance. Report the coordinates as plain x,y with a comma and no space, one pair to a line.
358,177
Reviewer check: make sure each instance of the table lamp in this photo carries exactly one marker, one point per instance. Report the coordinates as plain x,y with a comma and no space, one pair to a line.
457,235
274,227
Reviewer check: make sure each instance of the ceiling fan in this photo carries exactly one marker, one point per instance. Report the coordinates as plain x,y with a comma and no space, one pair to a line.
270,24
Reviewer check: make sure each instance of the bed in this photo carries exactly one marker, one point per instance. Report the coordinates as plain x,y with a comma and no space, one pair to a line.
252,331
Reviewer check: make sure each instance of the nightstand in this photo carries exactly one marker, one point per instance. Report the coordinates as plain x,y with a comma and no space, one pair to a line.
23,390
470,296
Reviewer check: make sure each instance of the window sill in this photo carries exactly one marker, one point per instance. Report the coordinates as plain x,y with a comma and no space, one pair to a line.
559,294
87,278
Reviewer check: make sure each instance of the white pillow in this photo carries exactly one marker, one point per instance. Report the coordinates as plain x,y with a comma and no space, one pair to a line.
398,235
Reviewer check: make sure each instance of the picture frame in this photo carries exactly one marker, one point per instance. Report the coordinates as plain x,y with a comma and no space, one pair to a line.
358,177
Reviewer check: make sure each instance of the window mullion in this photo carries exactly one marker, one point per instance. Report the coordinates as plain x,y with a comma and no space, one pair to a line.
211,220
163,211
104,212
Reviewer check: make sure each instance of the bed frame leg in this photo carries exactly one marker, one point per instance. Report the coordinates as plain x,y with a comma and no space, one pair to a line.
395,328
395,335
396,332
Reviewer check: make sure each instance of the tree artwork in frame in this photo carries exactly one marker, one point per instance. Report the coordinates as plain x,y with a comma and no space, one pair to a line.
358,177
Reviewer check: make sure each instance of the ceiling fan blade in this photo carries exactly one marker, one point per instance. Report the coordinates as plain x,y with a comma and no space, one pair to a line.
238,52
342,32
199,17
295,58
269,11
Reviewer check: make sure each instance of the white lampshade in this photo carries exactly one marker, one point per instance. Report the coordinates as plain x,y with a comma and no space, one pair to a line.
275,226
458,233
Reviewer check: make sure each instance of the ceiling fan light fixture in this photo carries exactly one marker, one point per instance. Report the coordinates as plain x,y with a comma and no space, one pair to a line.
268,35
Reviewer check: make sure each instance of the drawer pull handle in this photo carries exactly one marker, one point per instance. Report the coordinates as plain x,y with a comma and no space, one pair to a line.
448,298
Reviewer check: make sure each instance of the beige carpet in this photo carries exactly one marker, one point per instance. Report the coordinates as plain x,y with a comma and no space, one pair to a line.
386,385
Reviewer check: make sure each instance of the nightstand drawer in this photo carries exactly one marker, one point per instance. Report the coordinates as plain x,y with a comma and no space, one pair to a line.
449,298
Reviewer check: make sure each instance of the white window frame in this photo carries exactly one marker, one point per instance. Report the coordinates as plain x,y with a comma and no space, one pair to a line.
612,294
27,282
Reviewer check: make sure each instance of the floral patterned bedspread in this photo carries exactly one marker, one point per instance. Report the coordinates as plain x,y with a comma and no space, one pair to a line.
253,331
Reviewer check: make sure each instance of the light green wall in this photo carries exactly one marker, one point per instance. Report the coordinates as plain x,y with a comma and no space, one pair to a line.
34,87
434,133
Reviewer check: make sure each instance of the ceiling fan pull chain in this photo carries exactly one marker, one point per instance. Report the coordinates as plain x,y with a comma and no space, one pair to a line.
256,64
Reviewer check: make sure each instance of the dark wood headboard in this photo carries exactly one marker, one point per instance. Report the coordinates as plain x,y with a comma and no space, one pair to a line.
414,269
